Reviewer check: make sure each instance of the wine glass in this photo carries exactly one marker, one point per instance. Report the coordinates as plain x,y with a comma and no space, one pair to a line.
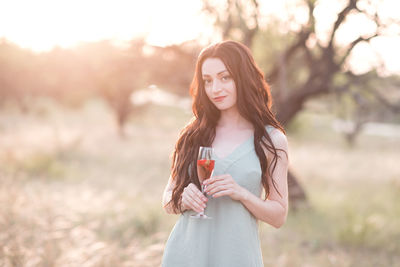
205,168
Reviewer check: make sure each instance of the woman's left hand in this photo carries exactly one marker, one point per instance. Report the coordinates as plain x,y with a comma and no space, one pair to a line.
224,185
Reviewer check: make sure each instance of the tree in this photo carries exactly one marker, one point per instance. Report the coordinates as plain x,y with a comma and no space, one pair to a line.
117,74
172,66
364,98
17,77
320,60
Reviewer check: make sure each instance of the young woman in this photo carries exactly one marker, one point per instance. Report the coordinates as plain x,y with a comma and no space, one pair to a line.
232,114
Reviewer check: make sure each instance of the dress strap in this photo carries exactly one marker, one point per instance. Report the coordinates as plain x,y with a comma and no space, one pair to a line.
269,128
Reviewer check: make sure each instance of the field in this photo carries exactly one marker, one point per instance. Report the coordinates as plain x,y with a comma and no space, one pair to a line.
73,193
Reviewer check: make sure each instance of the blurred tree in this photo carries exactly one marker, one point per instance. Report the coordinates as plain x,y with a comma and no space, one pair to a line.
172,67
236,20
59,73
116,86
117,74
71,76
364,98
17,75
64,76
305,67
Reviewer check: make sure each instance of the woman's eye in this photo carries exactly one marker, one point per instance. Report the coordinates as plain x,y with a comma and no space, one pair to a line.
207,81
225,78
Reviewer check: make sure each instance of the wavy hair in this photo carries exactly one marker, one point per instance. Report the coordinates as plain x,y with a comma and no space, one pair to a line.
253,102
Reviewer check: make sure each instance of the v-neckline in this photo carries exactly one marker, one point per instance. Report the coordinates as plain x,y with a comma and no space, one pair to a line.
234,150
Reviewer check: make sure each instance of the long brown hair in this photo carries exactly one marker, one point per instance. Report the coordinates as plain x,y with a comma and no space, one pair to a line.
253,102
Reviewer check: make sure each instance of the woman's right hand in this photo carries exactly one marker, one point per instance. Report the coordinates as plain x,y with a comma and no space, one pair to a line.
193,198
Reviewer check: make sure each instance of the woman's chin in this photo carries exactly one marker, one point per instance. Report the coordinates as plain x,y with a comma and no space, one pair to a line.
224,107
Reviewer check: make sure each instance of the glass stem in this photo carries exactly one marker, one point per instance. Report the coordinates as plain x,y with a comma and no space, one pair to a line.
202,190
203,187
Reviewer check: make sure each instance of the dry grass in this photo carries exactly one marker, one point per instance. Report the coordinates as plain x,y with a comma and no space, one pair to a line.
74,194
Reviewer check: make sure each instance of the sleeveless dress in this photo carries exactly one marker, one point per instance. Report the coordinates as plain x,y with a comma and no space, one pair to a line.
230,238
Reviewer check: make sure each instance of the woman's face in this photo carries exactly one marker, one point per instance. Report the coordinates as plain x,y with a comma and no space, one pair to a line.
218,83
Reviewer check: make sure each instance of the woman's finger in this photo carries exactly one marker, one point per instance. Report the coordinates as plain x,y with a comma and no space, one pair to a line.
194,205
197,196
216,186
215,189
215,179
220,188
197,192
188,201
225,192
192,197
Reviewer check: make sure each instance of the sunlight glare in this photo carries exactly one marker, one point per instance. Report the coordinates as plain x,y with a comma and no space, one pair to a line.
43,24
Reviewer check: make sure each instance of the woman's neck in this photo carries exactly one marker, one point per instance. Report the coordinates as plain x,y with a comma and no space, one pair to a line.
231,118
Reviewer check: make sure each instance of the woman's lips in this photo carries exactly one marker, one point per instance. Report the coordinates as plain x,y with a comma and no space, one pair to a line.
219,98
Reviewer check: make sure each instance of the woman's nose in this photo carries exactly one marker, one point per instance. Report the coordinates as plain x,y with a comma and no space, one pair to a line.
216,86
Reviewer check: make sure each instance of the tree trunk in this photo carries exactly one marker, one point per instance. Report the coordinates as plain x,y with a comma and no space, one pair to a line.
287,109
297,194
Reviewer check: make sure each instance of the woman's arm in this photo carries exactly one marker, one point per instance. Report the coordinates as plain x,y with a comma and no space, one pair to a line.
192,198
167,195
274,210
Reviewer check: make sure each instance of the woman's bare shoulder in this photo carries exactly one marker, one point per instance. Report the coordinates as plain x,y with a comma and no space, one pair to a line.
278,138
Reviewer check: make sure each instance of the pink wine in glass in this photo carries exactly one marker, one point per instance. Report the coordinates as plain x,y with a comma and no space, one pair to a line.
205,168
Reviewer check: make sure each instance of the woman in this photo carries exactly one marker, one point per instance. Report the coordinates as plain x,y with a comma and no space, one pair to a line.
232,114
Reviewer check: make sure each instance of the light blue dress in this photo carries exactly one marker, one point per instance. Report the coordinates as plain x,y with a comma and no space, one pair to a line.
230,238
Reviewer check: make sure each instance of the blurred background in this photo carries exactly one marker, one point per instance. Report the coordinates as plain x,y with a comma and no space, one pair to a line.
93,95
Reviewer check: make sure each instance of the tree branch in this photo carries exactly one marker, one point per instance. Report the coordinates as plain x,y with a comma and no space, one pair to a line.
341,17
248,32
353,44
311,19
394,107
303,35
362,80
288,53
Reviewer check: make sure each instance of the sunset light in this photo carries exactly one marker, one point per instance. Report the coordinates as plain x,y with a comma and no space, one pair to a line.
42,24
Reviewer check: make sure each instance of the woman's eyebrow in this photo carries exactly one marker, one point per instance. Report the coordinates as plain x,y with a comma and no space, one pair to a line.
204,75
